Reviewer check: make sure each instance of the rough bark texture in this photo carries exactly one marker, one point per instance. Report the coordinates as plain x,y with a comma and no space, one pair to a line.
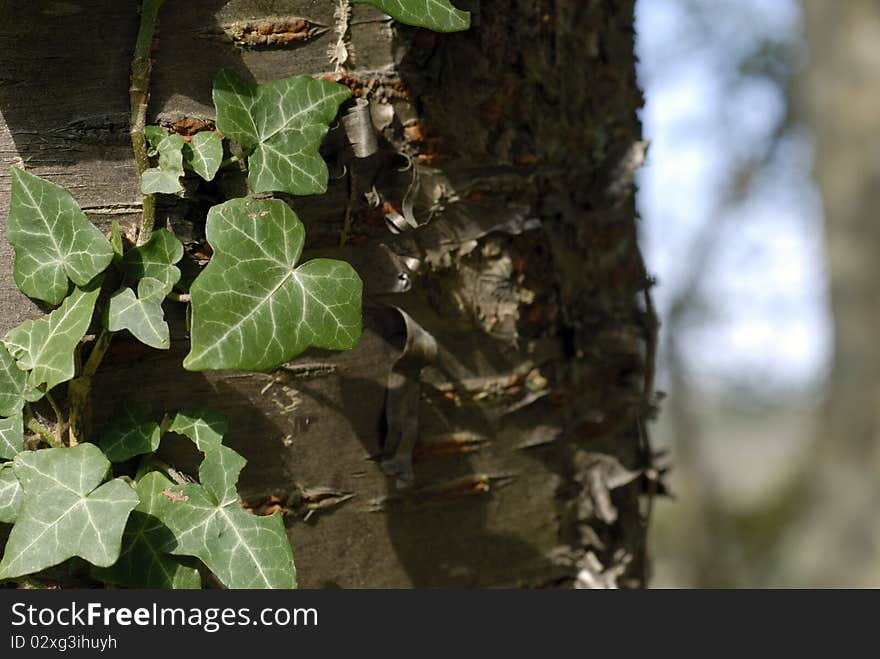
531,457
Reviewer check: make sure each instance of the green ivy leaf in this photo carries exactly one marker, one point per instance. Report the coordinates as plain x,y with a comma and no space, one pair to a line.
144,561
204,154
45,346
205,428
11,436
141,315
14,389
116,241
156,259
166,177
283,123
150,288
243,550
10,494
53,239
11,444
218,472
207,520
13,383
253,308
65,512
154,135
437,15
129,433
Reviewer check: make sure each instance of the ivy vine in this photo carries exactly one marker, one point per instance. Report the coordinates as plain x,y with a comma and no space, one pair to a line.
253,307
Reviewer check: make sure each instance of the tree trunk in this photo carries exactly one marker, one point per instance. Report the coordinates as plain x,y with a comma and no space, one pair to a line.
512,148
840,98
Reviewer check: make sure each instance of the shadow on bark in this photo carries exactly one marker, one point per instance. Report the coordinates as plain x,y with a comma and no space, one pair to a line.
438,526
158,383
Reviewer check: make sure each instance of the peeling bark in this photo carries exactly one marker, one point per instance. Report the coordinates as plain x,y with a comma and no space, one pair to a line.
501,192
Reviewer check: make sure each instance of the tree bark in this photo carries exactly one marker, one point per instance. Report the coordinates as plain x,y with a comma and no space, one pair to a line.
514,146
839,98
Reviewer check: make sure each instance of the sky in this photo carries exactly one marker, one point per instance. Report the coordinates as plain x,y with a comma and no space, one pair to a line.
764,321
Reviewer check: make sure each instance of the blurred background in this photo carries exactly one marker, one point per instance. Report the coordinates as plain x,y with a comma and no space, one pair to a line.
759,222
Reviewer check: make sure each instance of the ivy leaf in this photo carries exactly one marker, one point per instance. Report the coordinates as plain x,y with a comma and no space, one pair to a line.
144,561
14,390
204,154
65,512
156,259
437,15
150,288
218,472
207,520
166,177
154,135
283,123
11,444
129,433
205,428
242,549
116,241
11,436
10,494
141,315
253,308
45,346
53,239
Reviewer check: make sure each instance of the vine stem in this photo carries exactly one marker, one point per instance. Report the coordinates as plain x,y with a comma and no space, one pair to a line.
59,417
79,391
139,95
97,354
80,388
44,433
231,160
